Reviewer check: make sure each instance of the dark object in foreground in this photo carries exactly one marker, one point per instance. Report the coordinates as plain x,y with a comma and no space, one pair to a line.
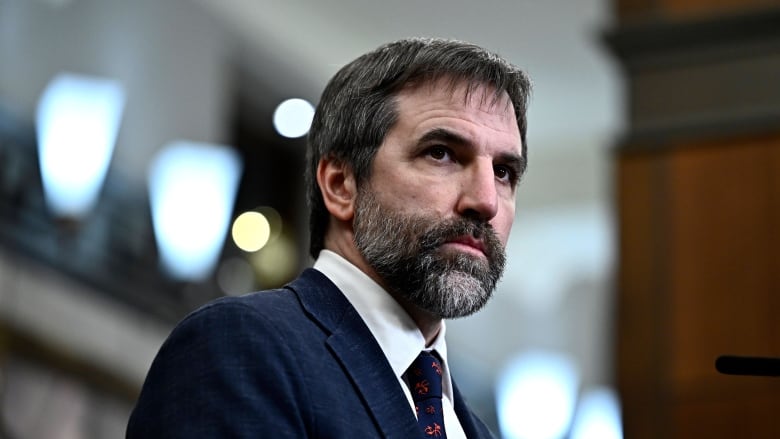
753,366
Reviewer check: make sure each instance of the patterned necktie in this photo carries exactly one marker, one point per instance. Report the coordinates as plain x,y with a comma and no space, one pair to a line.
424,377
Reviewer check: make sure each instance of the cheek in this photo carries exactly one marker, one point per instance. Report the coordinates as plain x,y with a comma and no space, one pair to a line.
420,194
502,223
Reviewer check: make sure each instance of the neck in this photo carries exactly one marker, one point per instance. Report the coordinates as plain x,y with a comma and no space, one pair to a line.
429,324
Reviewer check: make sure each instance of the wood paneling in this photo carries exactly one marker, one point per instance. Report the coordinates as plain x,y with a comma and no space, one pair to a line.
698,202
698,278
642,348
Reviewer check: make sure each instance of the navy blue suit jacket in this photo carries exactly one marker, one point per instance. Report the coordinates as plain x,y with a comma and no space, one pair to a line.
297,362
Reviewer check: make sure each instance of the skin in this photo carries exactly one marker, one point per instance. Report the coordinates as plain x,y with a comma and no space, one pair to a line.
446,156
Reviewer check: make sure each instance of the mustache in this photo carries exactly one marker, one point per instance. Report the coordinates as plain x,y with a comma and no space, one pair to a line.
458,227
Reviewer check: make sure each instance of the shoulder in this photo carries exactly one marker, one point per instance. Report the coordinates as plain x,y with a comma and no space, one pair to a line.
266,320
282,310
223,364
258,306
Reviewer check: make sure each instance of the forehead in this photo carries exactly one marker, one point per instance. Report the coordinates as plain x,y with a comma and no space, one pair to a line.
469,106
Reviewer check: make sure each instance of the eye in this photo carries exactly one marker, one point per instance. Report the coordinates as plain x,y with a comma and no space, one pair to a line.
439,152
504,173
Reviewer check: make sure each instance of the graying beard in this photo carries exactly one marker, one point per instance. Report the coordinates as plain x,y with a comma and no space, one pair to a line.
447,287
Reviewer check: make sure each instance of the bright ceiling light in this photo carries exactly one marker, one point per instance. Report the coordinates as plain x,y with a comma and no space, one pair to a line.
536,396
77,122
192,190
293,117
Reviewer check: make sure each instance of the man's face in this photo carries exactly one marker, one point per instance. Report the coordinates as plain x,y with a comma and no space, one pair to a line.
435,216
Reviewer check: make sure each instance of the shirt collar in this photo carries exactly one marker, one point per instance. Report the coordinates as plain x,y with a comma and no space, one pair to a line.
395,331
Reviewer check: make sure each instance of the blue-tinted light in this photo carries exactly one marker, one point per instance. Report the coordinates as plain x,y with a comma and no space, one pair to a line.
536,396
77,122
598,416
192,191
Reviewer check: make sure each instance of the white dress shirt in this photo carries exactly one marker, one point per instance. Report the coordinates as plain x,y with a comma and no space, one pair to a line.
395,331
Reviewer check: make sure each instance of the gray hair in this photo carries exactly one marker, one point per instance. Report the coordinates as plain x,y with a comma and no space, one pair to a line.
357,107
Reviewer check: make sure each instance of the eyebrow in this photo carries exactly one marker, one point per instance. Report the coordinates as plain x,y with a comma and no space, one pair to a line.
443,134
517,162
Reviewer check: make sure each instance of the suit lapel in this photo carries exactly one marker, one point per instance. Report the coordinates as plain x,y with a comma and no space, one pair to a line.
359,354
365,362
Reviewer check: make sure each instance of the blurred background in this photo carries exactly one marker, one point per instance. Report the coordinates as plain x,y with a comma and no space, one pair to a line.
151,159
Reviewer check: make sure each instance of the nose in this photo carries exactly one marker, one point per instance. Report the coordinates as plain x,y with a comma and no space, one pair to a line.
478,192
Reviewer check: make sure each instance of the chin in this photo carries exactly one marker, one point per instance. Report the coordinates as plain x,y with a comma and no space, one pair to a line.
462,295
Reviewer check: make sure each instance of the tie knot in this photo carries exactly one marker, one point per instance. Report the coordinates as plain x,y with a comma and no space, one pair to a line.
425,377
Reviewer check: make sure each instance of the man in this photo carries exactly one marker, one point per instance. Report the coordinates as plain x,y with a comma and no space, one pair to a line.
414,156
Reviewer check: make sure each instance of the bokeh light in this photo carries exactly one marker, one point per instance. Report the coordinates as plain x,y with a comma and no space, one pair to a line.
598,415
277,262
192,190
536,396
235,276
293,117
251,231
77,123
274,220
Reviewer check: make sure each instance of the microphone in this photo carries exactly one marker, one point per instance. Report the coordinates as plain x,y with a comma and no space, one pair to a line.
751,366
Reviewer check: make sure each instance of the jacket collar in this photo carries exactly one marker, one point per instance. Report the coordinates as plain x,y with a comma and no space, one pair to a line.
363,360
358,352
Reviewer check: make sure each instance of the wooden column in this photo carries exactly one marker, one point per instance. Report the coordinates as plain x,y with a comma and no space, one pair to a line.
698,199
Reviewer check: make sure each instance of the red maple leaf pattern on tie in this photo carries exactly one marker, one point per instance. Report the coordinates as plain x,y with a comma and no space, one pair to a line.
425,381
433,430
422,387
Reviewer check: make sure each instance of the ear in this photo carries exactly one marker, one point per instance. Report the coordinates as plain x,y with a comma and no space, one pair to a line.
338,187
